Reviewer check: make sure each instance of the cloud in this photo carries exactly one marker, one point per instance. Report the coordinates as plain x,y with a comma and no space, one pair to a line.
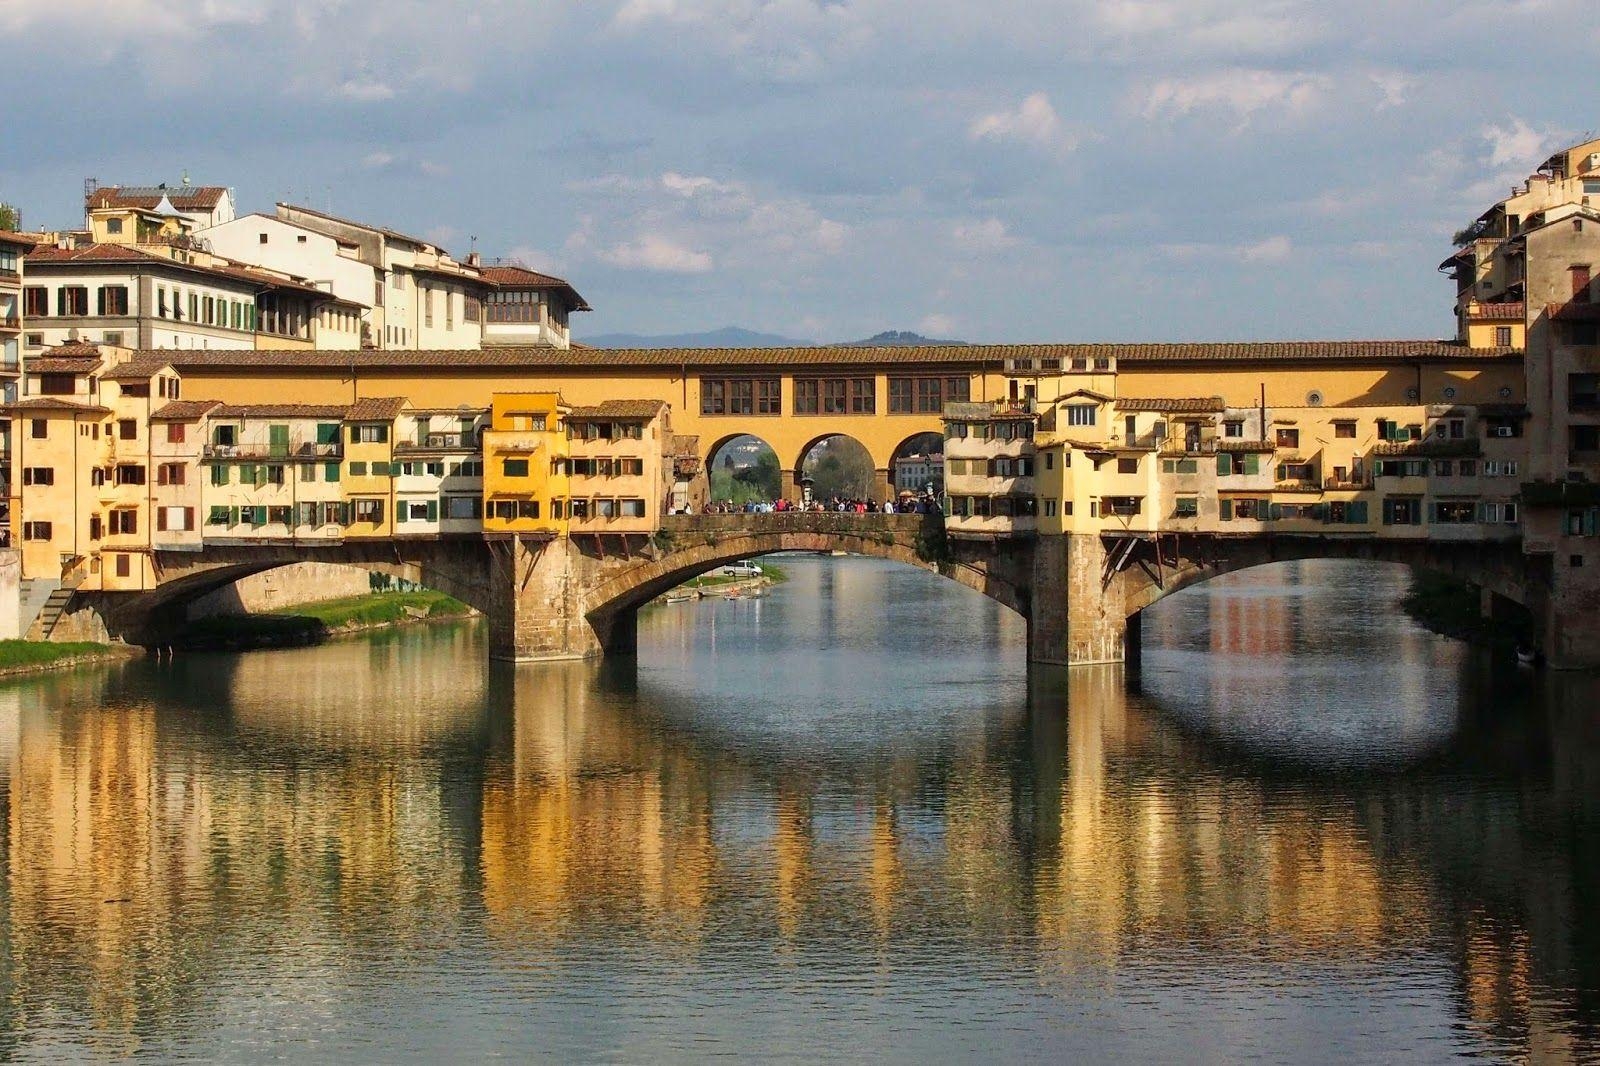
1241,92
1277,248
1034,121
1517,145
983,235
778,40
656,252
378,160
364,90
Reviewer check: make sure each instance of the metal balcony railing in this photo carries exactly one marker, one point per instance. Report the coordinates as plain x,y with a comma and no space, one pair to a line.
292,452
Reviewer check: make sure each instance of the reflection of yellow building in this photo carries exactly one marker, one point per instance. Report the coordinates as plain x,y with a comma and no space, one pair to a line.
525,481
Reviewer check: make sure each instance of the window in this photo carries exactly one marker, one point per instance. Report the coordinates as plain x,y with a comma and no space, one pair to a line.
369,511
631,508
171,474
514,467
1295,472
1344,429
1128,465
36,301
124,520
463,507
1502,336
1233,428
36,531
127,429
1186,507
739,396
174,519
1081,414
927,395
1179,466
113,300
1287,437
1402,511
39,475
1444,468
175,432
114,225
72,300
358,469
511,510
38,428
369,434
1455,512
1580,283
427,308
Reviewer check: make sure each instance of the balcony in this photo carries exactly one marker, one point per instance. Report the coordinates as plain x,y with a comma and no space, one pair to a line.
439,442
10,322
300,451
514,444
1189,446
1347,484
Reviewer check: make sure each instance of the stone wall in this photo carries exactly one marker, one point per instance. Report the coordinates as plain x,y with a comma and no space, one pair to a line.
283,587
10,594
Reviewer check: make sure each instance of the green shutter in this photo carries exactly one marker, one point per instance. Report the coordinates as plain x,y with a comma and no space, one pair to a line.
233,516
1252,463
355,435
1274,512
400,511
327,433
358,469
219,474
278,440
1224,464
1388,511
1225,509
330,471
433,510
1355,512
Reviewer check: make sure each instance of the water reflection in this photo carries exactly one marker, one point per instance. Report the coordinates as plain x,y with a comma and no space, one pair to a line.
844,805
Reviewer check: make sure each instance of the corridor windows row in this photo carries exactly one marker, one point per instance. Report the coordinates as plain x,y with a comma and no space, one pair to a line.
993,506
831,395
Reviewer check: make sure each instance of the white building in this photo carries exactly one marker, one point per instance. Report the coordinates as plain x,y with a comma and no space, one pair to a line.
915,473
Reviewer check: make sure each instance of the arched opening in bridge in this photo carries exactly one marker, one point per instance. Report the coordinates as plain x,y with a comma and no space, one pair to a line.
1319,660
744,469
839,467
916,466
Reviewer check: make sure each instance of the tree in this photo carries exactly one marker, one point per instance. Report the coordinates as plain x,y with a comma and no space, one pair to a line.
10,217
757,481
840,467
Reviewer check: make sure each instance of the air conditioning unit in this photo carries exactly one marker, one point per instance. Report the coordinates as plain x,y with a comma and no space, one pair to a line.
1502,431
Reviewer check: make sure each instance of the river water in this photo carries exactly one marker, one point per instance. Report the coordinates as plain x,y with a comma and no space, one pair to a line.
837,822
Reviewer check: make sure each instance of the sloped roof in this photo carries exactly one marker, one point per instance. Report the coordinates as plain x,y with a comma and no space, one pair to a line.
44,404
511,276
620,409
185,410
57,364
139,367
975,355
1173,405
25,240
376,409
280,410
146,197
133,254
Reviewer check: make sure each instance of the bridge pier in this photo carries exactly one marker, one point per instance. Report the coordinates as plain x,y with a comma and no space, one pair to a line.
536,602
1074,621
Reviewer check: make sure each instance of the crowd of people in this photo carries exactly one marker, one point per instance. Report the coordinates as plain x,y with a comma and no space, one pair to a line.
927,503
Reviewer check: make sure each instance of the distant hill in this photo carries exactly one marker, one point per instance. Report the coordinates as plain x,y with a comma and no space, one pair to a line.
901,338
726,337
739,337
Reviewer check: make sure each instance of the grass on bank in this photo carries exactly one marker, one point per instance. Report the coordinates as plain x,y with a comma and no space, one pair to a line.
313,620
772,572
24,653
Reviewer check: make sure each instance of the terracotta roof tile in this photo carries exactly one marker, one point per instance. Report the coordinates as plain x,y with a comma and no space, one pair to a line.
139,367
1497,312
620,409
55,364
53,403
977,356
376,409
145,197
1173,405
26,240
511,276
185,410
128,253
1237,445
280,410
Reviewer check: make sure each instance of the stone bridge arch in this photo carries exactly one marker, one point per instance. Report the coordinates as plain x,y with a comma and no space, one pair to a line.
691,546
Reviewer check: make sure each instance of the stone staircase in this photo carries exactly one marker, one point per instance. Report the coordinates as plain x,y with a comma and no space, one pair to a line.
43,603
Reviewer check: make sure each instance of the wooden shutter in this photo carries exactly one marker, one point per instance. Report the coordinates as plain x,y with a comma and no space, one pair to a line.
161,519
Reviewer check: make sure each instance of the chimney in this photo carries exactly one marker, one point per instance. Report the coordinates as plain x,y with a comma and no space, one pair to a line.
474,259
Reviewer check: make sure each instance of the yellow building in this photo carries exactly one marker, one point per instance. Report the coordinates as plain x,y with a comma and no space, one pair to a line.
370,467
616,467
525,464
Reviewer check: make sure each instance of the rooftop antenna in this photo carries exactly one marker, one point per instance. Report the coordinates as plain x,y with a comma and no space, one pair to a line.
185,178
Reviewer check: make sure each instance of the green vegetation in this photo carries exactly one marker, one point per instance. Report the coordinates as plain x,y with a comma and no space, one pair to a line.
20,655
309,623
840,466
773,573
1450,607
760,482
10,218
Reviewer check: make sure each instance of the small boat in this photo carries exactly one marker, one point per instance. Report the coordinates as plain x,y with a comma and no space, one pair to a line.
1526,656
838,554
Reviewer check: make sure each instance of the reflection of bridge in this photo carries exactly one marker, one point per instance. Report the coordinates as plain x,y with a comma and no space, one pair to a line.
553,598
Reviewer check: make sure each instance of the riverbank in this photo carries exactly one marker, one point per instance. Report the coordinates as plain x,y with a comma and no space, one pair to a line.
1451,608
725,586
22,657
313,623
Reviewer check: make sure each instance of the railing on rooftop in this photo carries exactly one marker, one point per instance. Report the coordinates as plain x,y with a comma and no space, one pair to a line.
297,450
440,442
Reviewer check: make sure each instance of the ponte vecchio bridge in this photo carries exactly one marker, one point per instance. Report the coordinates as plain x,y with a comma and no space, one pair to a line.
1083,482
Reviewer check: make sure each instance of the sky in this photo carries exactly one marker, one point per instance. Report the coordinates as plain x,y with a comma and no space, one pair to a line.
1005,171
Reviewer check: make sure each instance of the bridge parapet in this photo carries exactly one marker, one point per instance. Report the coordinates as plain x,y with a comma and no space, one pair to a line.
842,523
